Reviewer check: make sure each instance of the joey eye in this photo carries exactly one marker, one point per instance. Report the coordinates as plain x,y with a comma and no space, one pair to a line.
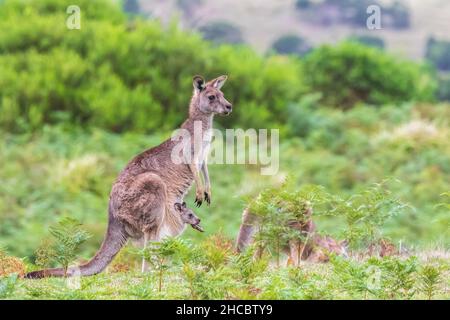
190,215
211,98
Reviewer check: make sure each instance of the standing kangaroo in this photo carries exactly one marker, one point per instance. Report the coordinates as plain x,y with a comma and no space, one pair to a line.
142,198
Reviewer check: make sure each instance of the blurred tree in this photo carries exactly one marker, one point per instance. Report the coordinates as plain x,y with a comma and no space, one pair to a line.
438,52
444,88
222,32
371,41
120,78
354,12
291,44
351,73
131,6
188,6
399,15
302,4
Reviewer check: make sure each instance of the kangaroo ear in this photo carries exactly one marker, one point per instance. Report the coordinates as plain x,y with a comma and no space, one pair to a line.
178,206
219,82
184,204
199,83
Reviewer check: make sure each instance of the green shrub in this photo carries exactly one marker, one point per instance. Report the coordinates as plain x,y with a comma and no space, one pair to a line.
370,41
291,44
351,73
438,52
7,285
67,236
399,15
122,77
444,88
354,12
366,214
98,10
430,278
221,32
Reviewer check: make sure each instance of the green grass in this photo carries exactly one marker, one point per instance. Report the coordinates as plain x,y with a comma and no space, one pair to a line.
356,278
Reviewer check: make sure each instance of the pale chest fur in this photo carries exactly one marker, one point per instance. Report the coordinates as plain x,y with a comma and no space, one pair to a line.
205,148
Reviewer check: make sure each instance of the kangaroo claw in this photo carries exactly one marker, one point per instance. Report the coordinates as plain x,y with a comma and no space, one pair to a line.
208,198
198,202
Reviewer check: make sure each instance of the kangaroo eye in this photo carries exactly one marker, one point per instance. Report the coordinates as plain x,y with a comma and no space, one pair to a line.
190,215
211,98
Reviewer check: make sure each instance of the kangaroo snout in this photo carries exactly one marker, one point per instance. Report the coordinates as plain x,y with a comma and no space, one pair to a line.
228,109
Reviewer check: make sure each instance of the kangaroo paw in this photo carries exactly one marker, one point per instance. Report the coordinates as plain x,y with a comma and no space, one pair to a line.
208,198
198,202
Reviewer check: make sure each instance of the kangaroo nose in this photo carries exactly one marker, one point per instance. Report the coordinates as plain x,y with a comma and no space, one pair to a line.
228,107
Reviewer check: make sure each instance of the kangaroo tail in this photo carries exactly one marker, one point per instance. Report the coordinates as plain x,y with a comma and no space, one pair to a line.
115,239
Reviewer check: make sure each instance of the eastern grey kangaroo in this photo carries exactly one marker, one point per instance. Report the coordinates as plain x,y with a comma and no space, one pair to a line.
141,200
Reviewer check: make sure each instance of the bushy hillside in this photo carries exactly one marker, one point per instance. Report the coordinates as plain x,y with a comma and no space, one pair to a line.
262,22
51,74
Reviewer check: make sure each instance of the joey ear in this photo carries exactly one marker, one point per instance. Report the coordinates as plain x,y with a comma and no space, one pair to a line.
219,82
199,83
178,206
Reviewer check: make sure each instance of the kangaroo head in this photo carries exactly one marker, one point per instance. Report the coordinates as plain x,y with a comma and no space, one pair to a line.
208,98
188,216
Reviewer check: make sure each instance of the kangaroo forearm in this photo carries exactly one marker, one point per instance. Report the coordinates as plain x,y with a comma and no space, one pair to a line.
206,176
197,177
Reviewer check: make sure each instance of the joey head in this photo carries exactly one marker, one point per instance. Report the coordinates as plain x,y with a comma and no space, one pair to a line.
188,216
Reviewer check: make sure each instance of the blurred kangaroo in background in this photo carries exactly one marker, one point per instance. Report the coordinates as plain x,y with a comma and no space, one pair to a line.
315,248
142,198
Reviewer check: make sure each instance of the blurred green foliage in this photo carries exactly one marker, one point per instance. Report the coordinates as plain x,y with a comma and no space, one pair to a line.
291,44
66,171
67,236
221,32
123,75
371,41
351,73
438,52
394,14
444,87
